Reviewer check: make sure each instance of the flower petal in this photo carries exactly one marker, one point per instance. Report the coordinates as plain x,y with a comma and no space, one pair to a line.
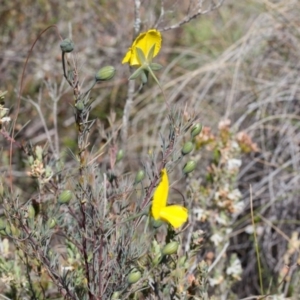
145,41
160,195
127,56
176,215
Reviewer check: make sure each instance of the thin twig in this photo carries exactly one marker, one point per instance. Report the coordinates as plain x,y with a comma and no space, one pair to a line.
188,18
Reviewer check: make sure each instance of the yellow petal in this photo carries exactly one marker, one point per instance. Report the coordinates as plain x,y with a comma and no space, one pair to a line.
160,195
144,41
176,215
127,56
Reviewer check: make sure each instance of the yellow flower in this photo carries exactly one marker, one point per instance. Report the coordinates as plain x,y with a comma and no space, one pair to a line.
176,215
144,41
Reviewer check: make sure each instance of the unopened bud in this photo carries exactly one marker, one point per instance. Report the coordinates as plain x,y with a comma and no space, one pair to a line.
187,148
116,296
79,105
170,248
67,45
196,129
182,260
140,175
105,73
31,212
157,259
189,167
51,223
156,223
65,197
120,155
134,276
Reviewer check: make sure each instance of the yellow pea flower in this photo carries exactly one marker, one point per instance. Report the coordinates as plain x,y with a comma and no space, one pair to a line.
176,215
145,41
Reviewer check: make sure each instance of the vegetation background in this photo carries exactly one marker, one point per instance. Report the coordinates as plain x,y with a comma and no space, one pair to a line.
239,62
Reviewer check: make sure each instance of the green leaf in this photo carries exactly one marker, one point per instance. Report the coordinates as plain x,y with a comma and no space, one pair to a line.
136,73
151,53
144,77
140,55
155,67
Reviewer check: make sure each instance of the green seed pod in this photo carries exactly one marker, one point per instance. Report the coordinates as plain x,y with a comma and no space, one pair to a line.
140,175
31,212
15,232
65,197
157,259
187,148
182,260
120,155
134,276
155,66
116,296
51,223
79,105
196,129
156,223
105,73
170,248
67,45
8,229
189,167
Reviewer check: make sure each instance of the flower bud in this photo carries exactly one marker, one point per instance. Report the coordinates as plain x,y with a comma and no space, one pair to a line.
105,73
140,175
120,155
187,148
196,129
116,296
15,232
157,259
182,260
156,223
8,229
65,197
79,105
189,167
51,223
67,45
31,212
134,276
170,248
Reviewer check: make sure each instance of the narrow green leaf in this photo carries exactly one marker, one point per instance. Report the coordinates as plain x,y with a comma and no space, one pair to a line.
140,55
155,67
144,77
136,73
150,54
